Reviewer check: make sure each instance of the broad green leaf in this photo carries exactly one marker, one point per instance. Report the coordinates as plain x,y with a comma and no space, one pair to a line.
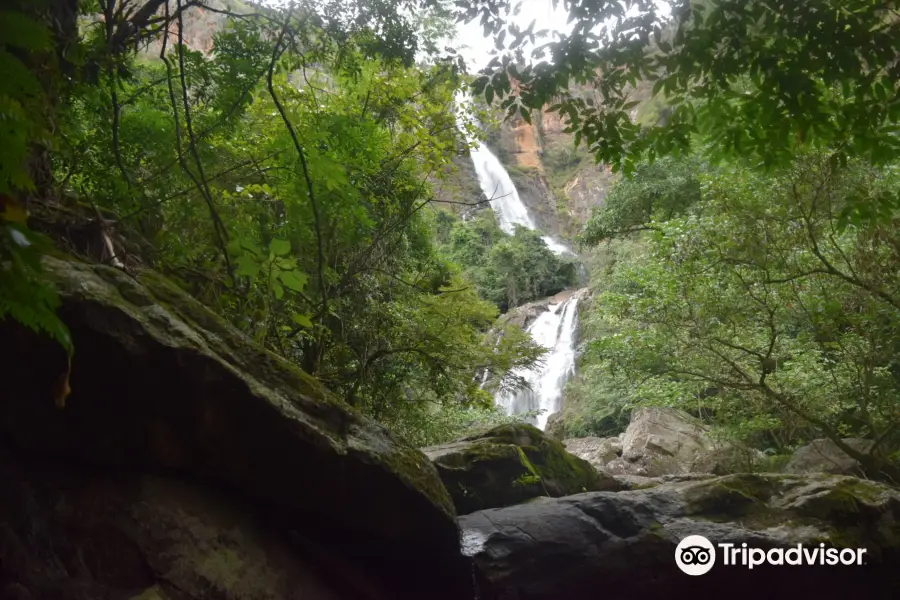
280,247
20,31
246,266
293,280
302,320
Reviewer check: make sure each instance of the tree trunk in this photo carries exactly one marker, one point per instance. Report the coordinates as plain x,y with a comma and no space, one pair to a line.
53,69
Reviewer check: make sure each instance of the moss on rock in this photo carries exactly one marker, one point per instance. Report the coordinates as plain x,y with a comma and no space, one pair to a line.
840,511
510,464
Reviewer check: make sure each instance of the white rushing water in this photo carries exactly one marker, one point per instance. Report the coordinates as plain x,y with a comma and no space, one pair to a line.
497,185
554,329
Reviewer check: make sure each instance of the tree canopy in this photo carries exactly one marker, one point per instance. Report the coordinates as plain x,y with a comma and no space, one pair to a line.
745,270
750,300
757,78
284,178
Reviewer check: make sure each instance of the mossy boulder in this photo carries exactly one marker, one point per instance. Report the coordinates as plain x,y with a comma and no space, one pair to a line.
827,508
511,464
161,384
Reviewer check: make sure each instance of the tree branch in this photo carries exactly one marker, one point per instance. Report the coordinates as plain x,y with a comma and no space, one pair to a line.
296,140
218,225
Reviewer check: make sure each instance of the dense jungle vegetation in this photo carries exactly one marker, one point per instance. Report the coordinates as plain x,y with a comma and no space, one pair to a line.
745,268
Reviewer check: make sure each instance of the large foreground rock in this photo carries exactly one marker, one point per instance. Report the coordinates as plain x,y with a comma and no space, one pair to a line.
162,385
82,534
510,464
622,545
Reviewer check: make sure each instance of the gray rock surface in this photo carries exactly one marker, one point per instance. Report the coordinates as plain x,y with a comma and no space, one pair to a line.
622,545
663,441
597,451
823,456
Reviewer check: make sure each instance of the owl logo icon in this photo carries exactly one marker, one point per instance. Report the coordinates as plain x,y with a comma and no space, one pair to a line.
695,555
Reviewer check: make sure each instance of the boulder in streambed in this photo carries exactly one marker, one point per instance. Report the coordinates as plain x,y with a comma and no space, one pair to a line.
824,456
511,464
663,441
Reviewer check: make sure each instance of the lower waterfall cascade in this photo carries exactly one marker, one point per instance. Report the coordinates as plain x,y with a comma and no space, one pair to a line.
555,330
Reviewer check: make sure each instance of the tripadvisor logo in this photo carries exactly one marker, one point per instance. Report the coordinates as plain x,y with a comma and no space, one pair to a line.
696,555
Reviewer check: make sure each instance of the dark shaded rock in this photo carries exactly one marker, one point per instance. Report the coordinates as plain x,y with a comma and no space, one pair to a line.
510,464
75,534
162,384
823,456
622,545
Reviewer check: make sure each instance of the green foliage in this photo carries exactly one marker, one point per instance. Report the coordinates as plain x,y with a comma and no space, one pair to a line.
21,96
753,308
561,165
757,79
507,270
24,297
24,41
282,180
658,192
445,423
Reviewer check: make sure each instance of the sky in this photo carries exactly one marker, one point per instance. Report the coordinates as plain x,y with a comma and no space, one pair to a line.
476,49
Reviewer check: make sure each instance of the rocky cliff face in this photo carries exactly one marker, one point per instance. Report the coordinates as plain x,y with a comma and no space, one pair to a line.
201,23
560,185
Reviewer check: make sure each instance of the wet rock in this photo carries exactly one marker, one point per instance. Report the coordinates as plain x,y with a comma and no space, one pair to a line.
523,316
622,545
510,464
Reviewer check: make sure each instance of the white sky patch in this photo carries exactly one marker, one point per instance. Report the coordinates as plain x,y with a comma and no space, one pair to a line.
476,49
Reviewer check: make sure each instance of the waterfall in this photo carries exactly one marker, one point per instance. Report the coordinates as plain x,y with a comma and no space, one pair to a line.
554,329
497,185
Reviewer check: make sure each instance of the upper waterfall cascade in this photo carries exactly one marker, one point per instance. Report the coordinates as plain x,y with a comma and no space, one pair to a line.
497,185
555,328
